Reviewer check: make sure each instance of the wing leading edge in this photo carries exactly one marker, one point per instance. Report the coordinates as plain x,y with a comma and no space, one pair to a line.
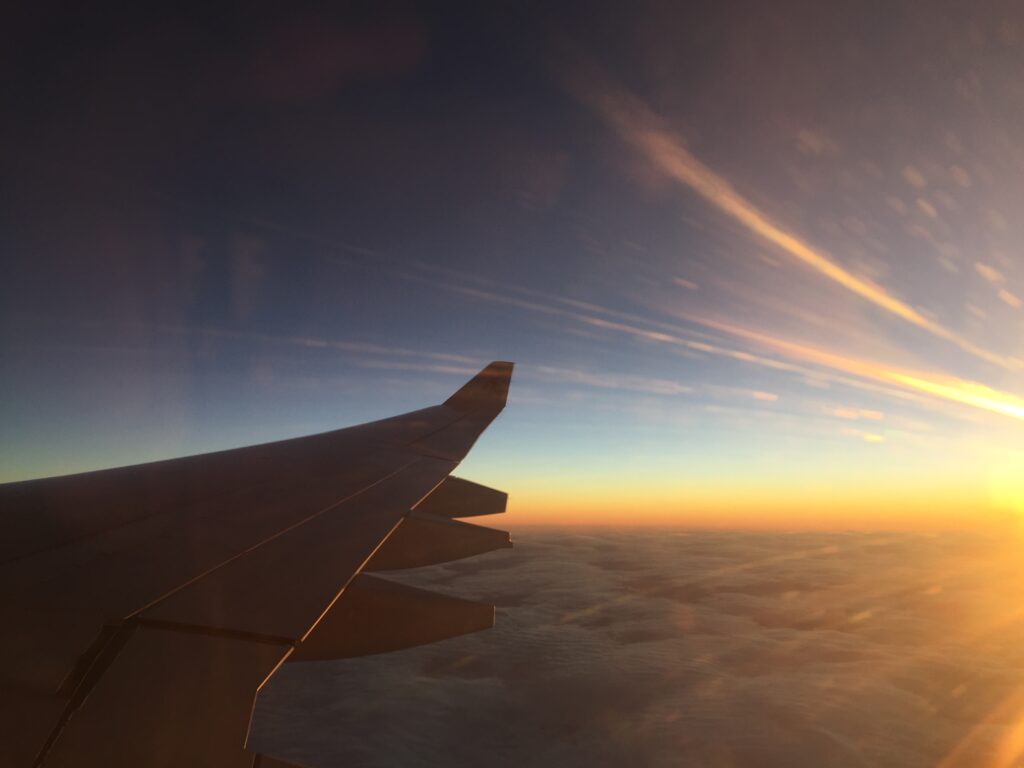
145,606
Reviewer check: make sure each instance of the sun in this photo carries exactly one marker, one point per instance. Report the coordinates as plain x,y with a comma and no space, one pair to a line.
1006,484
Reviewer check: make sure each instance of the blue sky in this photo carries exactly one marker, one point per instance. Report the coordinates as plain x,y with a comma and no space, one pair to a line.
747,259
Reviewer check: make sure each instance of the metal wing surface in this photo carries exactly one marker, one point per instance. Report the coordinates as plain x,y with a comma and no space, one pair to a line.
143,607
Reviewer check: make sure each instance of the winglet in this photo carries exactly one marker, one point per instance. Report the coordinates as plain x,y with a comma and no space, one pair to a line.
487,388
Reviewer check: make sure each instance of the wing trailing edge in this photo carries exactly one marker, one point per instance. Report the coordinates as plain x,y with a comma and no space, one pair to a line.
375,615
424,539
456,497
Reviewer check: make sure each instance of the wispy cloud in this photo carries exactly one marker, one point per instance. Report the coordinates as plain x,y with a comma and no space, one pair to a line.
967,392
855,414
1010,298
948,388
108,328
828,367
392,365
614,381
643,130
867,437
865,375
990,273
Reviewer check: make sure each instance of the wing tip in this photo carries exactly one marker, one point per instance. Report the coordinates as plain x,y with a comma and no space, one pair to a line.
489,387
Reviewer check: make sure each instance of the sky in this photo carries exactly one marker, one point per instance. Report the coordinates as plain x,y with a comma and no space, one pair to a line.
759,267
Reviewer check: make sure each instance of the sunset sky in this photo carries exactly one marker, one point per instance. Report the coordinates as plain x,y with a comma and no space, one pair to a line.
759,267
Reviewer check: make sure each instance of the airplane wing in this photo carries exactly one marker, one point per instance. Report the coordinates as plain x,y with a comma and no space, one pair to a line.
142,608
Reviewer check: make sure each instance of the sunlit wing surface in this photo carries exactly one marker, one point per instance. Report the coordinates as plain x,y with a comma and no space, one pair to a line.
143,607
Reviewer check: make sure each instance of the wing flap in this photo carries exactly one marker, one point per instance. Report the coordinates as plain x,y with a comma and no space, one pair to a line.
375,615
281,588
424,539
456,497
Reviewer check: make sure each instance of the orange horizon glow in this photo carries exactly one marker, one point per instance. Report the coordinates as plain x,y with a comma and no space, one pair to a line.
972,500
819,513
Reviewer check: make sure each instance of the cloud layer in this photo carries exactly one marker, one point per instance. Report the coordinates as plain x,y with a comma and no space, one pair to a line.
664,648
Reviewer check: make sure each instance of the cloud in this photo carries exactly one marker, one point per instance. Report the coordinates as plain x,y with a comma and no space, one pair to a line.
990,273
643,130
863,374
967,392
866,374
914,177
627,382
664,647
867,437
855,414
1009,298
421,367
952,389
682,339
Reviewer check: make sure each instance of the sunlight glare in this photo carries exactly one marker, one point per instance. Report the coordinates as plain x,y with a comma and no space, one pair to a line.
1006,484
